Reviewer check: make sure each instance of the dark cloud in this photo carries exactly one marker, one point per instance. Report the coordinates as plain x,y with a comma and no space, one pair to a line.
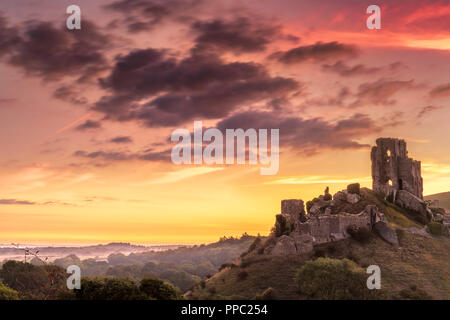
32,203
380,92
9,36
134,74
114,156
121,139
70,94
307,136
239,35
346,71
215,102
144,15
88,125
16,202
441,91
198,86
317,52
52,53
426,110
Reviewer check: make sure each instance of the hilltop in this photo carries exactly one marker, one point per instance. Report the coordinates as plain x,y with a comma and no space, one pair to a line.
443,198
415,266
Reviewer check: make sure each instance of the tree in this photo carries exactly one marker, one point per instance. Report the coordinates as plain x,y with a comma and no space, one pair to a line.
34,282
334,279
108,289
7,293
158,289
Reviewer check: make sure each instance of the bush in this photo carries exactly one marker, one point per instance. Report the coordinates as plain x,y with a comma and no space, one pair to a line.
7,293
242,275
108,289
354,188
268,294
327,278
34,282
436,228
282,226
158,289
360,234
310,203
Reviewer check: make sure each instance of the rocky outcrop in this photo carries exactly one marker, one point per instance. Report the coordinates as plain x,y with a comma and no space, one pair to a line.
409,201
285,245
386,232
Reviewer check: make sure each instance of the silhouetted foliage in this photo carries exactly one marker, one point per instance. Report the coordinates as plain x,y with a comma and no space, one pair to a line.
158,289
360,234
34,282
331,279
354,188
7,293
108,289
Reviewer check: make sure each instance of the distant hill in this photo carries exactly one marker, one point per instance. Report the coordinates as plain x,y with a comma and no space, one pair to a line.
443,197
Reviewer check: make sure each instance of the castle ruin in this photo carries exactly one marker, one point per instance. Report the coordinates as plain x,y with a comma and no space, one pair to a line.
393,171
394,174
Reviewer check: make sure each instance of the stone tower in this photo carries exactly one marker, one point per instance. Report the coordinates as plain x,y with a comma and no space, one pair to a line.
393,170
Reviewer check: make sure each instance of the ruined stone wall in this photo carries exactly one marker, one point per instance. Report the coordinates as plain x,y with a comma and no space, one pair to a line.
393,170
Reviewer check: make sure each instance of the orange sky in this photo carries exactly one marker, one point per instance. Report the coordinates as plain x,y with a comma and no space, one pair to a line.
76,168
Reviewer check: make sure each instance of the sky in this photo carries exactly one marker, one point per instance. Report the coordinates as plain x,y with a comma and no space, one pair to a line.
86,115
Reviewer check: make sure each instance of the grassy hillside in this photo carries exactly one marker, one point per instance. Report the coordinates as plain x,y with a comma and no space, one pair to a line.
443,197
419,262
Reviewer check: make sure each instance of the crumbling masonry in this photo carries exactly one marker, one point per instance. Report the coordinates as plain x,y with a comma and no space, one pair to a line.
393,171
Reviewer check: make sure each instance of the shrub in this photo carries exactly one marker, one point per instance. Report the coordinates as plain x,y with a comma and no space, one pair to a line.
268,294
360,234
354,188
34,282
7,293
310,203
436,228
108,289
158,289
282,226
326,278
242,275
